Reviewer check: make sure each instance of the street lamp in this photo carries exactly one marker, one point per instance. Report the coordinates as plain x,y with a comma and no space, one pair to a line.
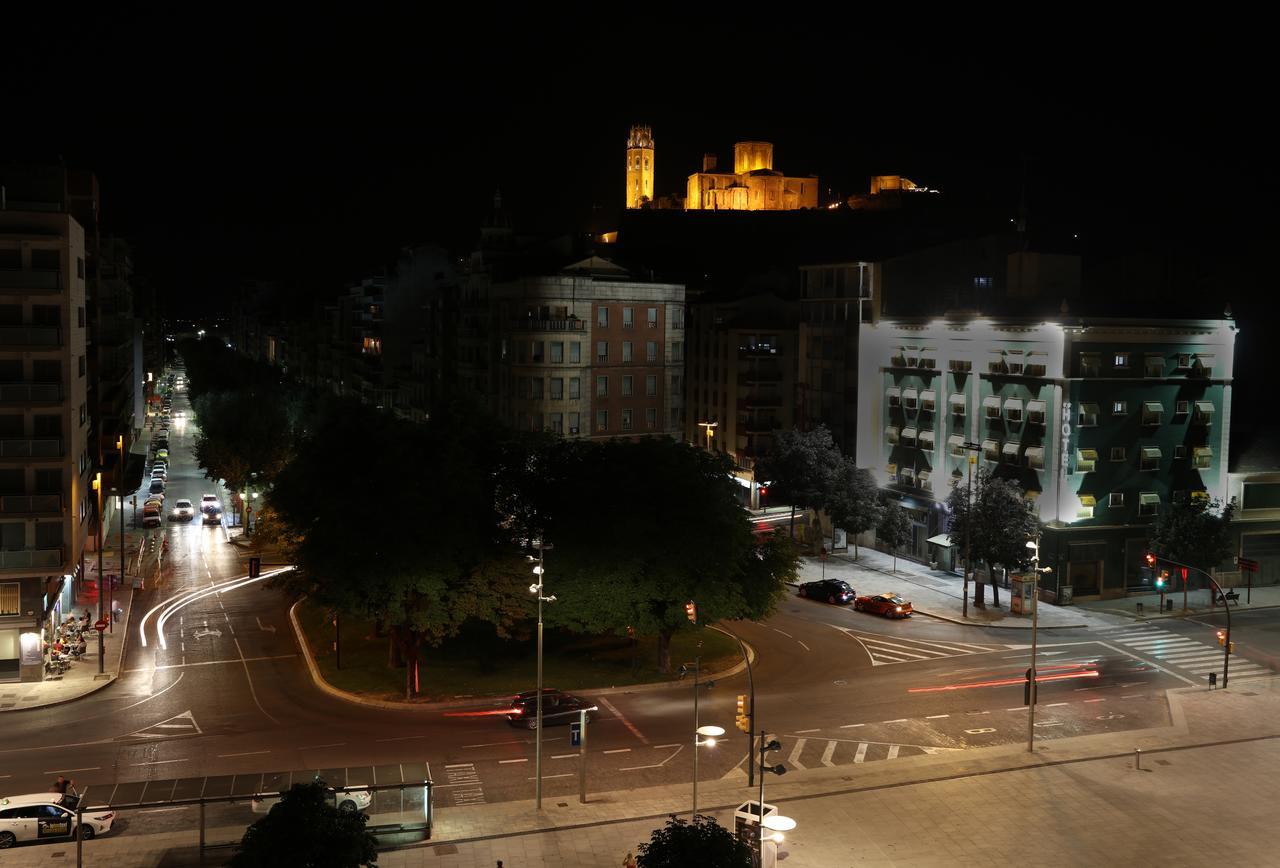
120,486
779,824
709,427
1034,545
708,734
779,769
97,486
537,590
968,549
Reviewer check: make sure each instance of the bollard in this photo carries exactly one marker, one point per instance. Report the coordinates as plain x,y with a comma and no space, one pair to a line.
1213,680
1137,758
1168,605
1139,605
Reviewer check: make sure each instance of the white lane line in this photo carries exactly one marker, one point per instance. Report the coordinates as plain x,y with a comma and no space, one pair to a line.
977,712
794,759
893,751
252,691
1087,701
499,743
565,775
861,755
826,754
1132,695
783,632
1017,708
68,771
154,695
936,716
565,756
804,646
622,717
852,725
674,753
208,663
619,750
400,738
665,746
158,762
461,765
799,731
523,759
162,810
1053,704
898,720
246,753
320,746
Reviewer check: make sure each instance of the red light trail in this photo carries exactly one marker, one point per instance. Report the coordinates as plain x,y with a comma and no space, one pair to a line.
1005,682
490,713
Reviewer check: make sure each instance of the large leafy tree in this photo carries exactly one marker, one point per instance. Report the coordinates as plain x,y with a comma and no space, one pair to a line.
306,830
999,526
855,501
702,842
1195,532
641,528
802,468
893,527
398,522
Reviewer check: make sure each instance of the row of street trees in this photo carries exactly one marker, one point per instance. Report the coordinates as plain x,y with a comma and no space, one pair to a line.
424,527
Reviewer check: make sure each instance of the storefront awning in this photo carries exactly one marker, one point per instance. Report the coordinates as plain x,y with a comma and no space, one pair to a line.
1151,452
1204,407
1148,497
1012,449
942,540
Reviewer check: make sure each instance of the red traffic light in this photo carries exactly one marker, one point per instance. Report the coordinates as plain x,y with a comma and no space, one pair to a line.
691,611
1151,559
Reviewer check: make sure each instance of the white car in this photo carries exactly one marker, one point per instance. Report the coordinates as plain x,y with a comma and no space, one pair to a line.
211,509
45,816
182,511
345,800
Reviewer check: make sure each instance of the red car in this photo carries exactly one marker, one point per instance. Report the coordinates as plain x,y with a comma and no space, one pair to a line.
889,605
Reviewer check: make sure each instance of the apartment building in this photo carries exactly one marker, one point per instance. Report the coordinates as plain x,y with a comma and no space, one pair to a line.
1103,423
589,352
741,373
46,503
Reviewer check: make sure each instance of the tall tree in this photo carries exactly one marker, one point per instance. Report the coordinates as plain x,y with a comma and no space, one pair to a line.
1195,532
855,502
1001,526
893,528
305,829
702,842
802,468
634,560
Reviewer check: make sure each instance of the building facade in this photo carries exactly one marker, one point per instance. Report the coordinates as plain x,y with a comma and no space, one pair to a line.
640,168
47,507
1103,423
753,185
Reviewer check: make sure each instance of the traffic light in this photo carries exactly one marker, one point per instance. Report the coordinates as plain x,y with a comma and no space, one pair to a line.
1151,559
1231,647
255,567
1222,637
1162,580
743,721
691,611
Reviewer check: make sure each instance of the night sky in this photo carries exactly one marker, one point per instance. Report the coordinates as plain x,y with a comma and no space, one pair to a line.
309,150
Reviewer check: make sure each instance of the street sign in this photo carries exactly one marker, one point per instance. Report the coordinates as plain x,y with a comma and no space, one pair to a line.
100,625
1247,565
575,735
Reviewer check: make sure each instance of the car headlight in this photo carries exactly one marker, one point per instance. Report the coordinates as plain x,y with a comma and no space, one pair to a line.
898,609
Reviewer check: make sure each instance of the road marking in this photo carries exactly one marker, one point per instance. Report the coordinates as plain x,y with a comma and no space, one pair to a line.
68,771
208,663
565,756
665,746
460,766
622,717
500,743
678,748
1017,708
783,632
247,753
826,754
565,775
161,810
319,746
977,712
861,755
804,646
979,731
898,720
936,716
893,752
524,759
619,750
794,759
1054,704
1132,695
1087,701
158,762
400,738
805,730
1048,723
852,725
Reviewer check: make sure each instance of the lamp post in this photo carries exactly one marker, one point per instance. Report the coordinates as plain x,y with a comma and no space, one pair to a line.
708,734
709,427
779,769
97,486
968,546
537,590
1226,608
120,486
1035,622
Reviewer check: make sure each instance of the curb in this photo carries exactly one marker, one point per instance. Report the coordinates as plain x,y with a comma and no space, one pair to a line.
356,699
1178,614
963,623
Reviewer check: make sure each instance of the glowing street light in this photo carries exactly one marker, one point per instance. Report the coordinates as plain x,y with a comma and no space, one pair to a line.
537,590
703,736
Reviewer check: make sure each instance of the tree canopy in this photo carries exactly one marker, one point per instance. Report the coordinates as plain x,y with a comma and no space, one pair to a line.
305,829
893,528
855,501
1195,532
702,842
999,525
802,468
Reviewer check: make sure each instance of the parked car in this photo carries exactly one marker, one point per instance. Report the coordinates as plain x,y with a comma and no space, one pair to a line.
45,816
834,591
557,707
157,486
151,519
162,454
182,511
159,473
889,605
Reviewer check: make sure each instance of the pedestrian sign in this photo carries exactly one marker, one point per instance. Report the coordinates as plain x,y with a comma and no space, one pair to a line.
575,735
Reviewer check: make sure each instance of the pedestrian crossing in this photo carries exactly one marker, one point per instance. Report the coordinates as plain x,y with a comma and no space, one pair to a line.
1178,652
815,753
885,651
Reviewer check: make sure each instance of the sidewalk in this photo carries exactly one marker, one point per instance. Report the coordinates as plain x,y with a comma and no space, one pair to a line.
936,593
1075,801
1199,601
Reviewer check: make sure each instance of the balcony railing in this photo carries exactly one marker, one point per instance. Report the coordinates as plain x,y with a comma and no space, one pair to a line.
30,503
30,336
30,280
572,324
29,558
30,393
30,448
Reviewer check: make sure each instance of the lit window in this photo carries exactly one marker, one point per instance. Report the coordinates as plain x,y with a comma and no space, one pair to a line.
1037,364
652,317
991,450
1013,409
1012,453
1116,498
995,364
1148,503
955,445
1035,457
957,404
1202,457
1200,496
1014,361
910,399
1121,360
1117,453
960,366
925,439
895,396
1087,503
928,399
1086,459
1035,412
1119,408
1150,458
991,406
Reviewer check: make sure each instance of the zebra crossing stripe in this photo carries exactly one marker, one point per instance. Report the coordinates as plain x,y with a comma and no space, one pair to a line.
795,753
861,755
828,753
893,751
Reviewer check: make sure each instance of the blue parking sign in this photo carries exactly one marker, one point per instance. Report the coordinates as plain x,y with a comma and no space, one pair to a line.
575,735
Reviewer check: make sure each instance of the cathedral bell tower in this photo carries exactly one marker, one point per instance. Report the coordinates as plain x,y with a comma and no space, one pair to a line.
639,167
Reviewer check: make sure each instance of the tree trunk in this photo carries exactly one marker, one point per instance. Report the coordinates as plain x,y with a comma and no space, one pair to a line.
855,548
895,561
793,521
664,651
995,592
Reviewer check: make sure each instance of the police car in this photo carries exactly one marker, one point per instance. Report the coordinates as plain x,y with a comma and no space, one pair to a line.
46,816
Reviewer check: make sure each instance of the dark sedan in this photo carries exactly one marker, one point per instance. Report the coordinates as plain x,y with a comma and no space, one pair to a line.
557,707
834,591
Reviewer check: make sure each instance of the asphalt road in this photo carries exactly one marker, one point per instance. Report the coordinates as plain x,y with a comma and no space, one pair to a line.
217,690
